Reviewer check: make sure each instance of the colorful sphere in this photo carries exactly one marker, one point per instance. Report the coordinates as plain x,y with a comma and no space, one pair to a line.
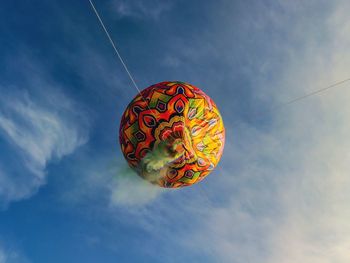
172,134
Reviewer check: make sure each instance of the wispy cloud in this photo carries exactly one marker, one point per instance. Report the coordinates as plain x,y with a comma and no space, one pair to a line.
37,127
11,256
142,9
40,132
114,183
2,256
129,189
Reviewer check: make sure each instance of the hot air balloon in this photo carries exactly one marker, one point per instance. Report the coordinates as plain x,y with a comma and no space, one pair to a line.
172,134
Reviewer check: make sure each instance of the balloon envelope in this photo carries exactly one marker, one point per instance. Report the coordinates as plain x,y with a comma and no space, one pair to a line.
173,135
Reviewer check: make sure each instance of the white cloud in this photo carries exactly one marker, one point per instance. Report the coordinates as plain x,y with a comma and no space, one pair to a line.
2,256
38,129
142,9
130,190
11,256
104,179
289,192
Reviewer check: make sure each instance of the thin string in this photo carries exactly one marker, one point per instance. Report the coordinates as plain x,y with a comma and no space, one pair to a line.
264,113
114,46
312,93
117,52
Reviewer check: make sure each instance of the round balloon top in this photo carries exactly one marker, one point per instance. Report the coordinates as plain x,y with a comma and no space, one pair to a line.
172,134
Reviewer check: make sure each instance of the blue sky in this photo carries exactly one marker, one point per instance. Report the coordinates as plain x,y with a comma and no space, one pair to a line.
280,192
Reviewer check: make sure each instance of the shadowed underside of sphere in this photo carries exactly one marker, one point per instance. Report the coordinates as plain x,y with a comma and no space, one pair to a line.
172,135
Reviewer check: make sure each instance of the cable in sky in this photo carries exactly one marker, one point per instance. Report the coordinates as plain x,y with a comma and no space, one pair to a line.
313,93
115,48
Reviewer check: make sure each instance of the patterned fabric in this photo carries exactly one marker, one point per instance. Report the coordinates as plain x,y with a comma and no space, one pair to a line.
184,120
